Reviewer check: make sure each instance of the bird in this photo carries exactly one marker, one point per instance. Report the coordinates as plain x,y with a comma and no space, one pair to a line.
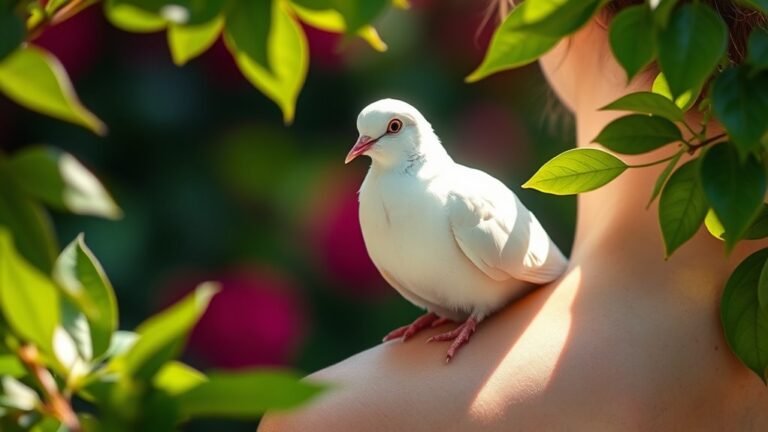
452,240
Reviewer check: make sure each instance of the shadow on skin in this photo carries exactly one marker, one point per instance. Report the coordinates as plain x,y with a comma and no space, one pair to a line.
396,385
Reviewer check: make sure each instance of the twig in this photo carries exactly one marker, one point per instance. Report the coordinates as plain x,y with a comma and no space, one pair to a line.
55,403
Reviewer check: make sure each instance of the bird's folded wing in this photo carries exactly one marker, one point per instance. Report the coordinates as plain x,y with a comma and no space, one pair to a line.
499,235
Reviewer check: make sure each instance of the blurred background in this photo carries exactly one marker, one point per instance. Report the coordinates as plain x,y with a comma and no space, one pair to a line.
215,187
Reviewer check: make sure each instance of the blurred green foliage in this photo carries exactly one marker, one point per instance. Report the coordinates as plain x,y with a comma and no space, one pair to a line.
203,186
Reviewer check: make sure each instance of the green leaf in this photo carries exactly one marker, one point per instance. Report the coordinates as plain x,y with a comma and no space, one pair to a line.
759,228
714,226
662,179
176,378
35,79
288,57
81,277
740,102
757,48
331,20
662,9
648,103
188,42
131,18
185,12
734,188
512,47
16,394
682,206
61,181
762,288
11,366
690,46
631,37
246,394
745,323
685,101
576,171
638,133
121,342
761,5
356,14
558,17
12,32
248,30
28,299
162,337
29,222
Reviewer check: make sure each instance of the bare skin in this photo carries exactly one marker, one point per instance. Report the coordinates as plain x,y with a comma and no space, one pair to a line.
623,341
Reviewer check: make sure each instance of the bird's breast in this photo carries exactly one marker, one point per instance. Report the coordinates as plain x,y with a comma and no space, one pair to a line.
407,233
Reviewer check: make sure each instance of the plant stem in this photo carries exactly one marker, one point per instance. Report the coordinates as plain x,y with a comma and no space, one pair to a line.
660,161
707,141
56,404
66,12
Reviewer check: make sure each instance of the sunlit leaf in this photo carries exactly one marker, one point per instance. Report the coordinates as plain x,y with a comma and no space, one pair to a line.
576,171
16,394
512,46
35,79
734,188
28,299
648,103
690,46
176,378
11,366
162,336
682,206
356,14
745,323
188,42
663,177
558,17
187,12
331,20
129,17
740,102
685,101
638,133
288,57
631,37
81,277
246,394
714,226
61,181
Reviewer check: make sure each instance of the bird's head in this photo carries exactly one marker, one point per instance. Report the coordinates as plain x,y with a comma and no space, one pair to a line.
392,131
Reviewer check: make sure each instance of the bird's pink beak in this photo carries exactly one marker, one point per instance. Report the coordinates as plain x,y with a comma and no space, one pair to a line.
364,142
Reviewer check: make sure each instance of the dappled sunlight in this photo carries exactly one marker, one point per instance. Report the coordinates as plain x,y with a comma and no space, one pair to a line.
529,365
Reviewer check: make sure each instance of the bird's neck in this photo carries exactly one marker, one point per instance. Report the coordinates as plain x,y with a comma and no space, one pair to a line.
427,159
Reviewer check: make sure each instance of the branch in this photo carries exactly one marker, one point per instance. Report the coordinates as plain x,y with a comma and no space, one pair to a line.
55,403
66,12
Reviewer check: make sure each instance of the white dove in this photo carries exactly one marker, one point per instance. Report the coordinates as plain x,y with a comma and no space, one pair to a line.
450,239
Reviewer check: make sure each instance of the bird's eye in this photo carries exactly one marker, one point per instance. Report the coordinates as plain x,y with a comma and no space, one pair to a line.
394,126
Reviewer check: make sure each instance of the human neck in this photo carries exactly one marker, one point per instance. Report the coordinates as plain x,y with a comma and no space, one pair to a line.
616,232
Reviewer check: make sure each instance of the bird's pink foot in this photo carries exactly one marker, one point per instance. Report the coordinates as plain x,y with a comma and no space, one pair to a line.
460,336
423,322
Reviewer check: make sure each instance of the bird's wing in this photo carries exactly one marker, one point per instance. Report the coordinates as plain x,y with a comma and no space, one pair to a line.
497,233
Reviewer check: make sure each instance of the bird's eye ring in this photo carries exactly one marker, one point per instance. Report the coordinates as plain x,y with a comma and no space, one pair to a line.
394,126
